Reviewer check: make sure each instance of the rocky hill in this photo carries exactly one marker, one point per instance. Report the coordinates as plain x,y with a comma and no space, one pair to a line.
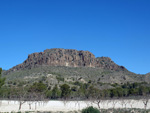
67,57
69,66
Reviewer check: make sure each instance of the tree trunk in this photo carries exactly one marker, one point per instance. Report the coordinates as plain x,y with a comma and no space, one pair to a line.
99,105
20,106
29,106
35,106
145,106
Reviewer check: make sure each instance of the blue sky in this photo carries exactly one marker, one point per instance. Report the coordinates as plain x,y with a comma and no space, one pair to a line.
119,29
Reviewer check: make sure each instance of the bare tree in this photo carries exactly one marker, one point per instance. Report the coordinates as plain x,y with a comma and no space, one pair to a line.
77,102
145,101
114,102
36,94
98,102
96,96
31,98
21,96
108,101
30,103
123,102
131,102
36,98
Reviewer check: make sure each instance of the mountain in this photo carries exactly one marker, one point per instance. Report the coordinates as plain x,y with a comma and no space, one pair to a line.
67,57
72,65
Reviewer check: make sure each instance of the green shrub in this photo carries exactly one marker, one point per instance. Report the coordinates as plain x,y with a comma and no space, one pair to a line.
90,110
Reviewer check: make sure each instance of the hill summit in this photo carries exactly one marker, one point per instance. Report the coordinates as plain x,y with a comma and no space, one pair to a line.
67,57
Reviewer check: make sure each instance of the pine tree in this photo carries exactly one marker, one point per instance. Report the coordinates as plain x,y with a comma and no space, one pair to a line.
2,80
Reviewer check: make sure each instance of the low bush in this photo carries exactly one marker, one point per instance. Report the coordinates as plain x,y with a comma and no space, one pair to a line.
90,110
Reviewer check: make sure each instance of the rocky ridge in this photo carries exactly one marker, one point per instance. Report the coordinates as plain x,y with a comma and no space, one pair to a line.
67,57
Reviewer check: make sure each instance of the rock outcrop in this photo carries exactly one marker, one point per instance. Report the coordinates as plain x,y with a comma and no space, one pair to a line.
67,57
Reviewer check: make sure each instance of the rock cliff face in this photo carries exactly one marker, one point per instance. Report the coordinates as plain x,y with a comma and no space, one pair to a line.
67,57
